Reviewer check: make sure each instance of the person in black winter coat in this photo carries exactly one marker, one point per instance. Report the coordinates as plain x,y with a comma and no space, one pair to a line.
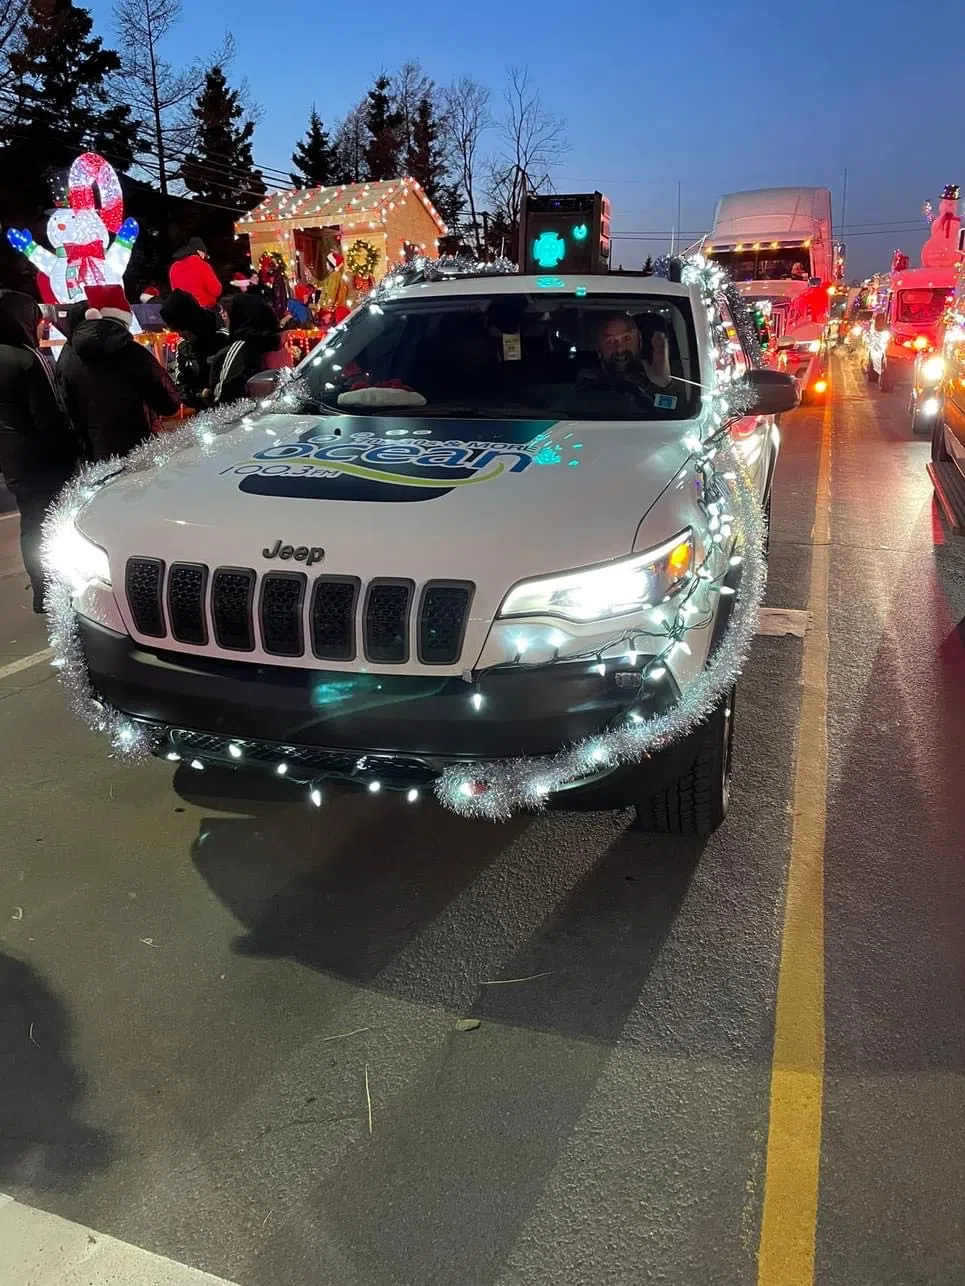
114,388
201,337
254,344
38,451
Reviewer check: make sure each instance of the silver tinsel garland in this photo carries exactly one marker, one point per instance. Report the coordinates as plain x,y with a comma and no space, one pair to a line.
498,789
209,433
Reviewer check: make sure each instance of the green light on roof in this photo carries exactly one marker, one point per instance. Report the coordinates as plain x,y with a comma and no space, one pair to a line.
549,250
580,292
550,283
581,232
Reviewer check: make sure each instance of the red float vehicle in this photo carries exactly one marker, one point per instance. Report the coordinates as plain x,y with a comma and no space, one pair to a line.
909,316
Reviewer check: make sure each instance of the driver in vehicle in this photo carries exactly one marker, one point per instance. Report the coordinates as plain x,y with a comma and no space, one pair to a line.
634,360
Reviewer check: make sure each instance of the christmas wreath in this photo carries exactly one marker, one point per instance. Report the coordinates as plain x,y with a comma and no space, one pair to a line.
362,259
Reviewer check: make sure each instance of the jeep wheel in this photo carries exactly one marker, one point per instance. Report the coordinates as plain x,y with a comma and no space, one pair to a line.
870,374
696,803
885,382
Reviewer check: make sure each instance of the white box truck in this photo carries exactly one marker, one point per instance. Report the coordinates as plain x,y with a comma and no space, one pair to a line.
777,245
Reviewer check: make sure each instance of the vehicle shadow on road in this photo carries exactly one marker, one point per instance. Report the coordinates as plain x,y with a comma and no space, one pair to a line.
343,890
44,1145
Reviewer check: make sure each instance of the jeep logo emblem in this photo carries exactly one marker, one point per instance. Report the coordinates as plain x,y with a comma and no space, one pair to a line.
307,554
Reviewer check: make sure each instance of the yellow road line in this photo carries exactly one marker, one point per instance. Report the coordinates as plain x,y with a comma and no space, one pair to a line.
789,1220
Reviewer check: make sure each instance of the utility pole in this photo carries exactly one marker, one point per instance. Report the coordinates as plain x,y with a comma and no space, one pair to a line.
679,233
844,200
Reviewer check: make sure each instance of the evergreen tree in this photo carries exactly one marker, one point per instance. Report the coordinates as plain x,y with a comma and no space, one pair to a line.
60,94
426,161
219,168
426,158
383,153
349,144
648,267
314,157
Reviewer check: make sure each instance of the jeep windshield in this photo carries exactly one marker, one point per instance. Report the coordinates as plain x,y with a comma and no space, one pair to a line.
513,356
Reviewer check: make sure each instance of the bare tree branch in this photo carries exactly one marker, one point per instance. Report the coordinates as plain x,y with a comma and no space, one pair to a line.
465,118
157,93
533,141
11,17
410,85
350,140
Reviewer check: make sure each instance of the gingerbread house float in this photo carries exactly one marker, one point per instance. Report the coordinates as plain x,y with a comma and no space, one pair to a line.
372,226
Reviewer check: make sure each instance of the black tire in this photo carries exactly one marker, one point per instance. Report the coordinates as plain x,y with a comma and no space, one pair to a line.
696,804
870,374
939,452
885,382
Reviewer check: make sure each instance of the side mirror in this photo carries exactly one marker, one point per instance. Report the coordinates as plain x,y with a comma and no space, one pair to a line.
773,392
262,385
814,281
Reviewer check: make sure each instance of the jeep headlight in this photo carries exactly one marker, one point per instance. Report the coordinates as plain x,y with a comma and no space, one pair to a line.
614,589
933,369
73,558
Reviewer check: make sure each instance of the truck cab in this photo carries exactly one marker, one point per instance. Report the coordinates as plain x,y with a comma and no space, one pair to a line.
776,244
907,323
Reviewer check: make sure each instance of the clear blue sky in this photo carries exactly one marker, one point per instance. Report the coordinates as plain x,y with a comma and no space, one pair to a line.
717,96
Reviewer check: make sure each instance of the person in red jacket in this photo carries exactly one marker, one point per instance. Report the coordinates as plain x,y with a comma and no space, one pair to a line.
191,272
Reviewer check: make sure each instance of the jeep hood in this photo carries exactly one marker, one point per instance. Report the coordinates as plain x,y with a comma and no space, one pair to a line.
484,500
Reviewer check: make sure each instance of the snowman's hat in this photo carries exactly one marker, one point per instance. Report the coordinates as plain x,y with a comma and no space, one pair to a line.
950,192
109,303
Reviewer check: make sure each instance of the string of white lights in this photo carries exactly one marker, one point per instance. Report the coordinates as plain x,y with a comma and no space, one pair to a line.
732,564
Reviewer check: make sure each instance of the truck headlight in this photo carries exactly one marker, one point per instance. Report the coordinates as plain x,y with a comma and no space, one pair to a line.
73,558
596,593
933,369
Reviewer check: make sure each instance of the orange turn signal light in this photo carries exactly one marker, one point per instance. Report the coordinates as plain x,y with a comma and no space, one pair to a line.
820,386
920,343
681,556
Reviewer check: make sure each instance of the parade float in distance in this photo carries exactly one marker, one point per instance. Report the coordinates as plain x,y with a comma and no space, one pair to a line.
909,307
777,246
372,575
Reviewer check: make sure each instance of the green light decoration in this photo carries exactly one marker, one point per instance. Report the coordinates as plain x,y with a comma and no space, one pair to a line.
550,283
580,292
581,232
549,250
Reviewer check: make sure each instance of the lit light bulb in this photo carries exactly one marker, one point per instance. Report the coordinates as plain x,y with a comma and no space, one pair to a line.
196,763
477,701
374,787
235,751
173,756
281,770
412,795
315,795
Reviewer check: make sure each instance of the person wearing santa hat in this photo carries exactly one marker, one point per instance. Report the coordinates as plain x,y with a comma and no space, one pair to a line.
114,388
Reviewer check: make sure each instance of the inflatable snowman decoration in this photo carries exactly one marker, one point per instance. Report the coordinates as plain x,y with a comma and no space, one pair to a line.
83,253
941,248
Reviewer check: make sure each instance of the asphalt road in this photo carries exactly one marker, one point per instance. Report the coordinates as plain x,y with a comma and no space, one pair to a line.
202,1000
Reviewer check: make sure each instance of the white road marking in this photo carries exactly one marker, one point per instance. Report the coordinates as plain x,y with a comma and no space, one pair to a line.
41,1249
25,662
783,620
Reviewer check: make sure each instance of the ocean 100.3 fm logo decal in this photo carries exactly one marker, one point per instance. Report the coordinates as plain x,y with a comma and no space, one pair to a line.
374,465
